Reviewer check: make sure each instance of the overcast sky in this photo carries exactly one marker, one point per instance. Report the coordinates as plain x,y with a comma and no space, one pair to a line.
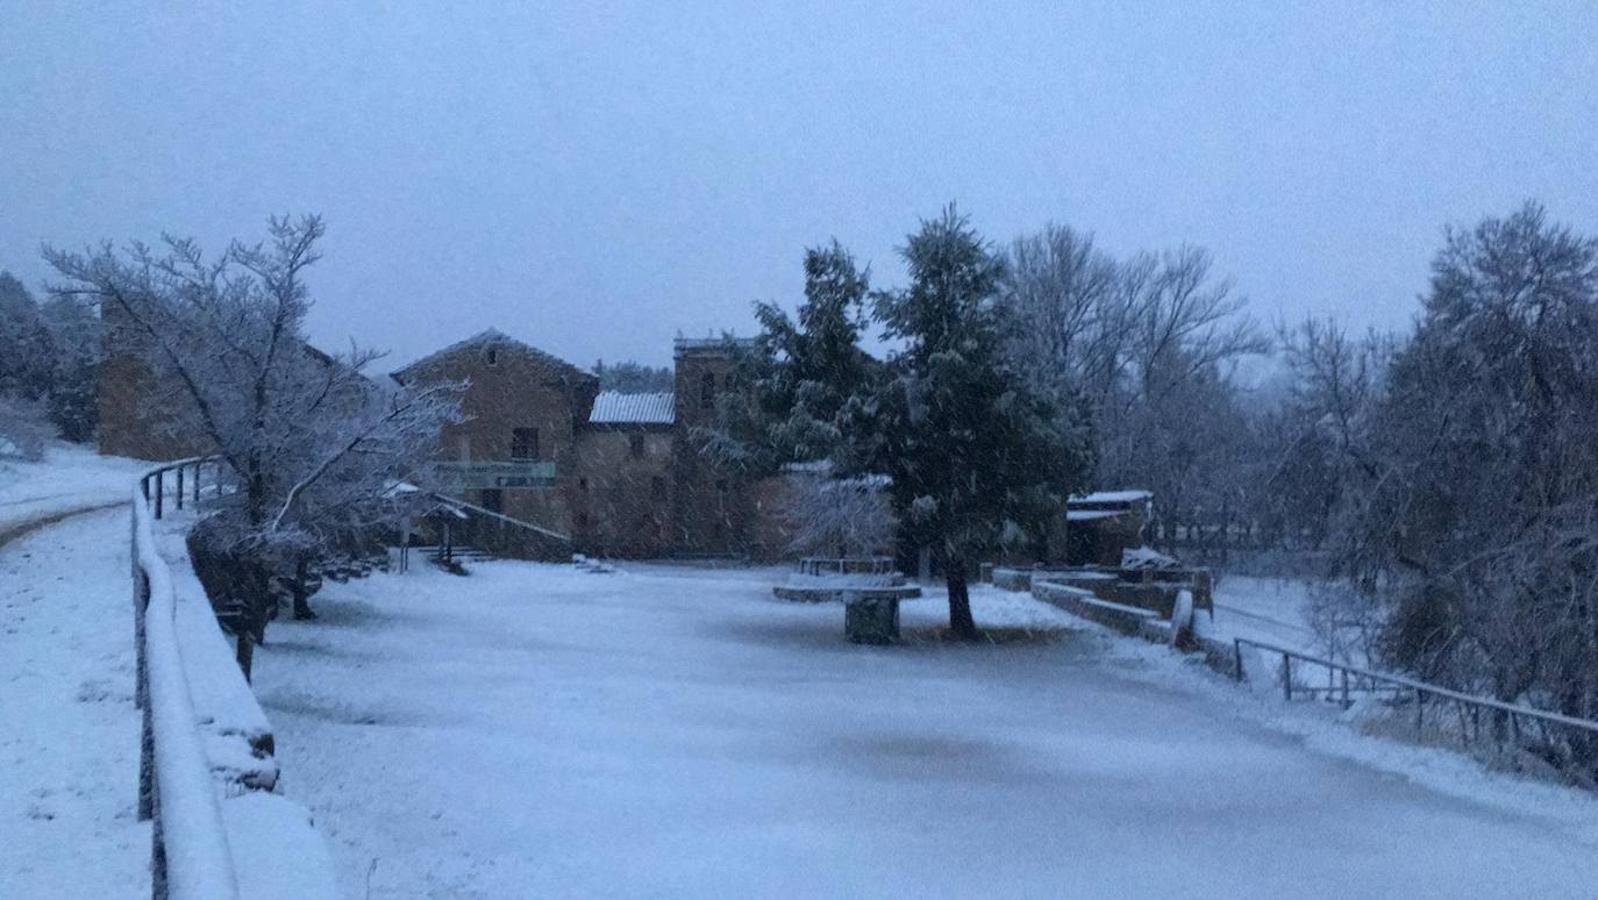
596,178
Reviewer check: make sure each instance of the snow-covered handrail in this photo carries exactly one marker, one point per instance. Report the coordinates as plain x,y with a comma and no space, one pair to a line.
190,857
456,501
1579,734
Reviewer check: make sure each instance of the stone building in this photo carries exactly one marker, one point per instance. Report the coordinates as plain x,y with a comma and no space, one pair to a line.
619,474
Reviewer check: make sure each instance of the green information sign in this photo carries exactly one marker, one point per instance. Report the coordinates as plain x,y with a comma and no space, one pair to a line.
486,475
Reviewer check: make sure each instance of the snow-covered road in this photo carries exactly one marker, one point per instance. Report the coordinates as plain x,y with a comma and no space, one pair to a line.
535,731
71,478
69,753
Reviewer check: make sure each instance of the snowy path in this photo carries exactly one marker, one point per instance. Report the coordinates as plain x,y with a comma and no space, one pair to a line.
1274,610
532,731
70,479
68,730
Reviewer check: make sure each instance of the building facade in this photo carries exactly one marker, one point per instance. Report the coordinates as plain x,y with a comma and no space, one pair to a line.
621,473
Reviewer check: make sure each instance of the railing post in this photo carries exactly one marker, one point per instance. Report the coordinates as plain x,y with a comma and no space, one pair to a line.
1346,702
1287,677
1237,659
138,615
158,492
157,861
1420,709
180,487
196,484
147,783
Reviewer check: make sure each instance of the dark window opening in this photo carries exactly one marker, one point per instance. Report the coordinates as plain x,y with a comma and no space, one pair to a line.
524,443
494,500
635,445
582,484
707,390
492,355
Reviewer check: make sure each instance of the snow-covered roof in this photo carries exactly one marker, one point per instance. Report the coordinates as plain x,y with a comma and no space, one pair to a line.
1089,515
813,467
617,408
1112,497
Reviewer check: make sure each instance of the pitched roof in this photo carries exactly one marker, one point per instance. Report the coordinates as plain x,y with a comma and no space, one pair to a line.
617,408
492,336
1132,496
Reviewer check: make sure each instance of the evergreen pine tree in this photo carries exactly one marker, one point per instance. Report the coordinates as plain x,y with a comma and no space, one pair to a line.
973,454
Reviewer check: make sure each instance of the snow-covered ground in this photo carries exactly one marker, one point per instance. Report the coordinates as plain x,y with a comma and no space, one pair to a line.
69,734
1273,610
70,477
533,730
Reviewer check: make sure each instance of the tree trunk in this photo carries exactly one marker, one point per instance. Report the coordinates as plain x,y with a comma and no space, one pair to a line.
961,625
245,653
302,608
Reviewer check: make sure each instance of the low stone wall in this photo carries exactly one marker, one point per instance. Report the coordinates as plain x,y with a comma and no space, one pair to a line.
1082,603
1012,579
1134,621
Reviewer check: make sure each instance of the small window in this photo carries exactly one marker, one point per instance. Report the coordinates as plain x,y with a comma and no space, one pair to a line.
582,484
492,356
657,488
524,443
707,390
635,445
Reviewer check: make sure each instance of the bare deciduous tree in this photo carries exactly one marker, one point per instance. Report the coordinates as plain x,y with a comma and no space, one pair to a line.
310,442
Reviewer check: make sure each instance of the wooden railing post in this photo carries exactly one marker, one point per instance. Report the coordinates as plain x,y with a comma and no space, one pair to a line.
197,484
1287,677
180,487
147,780
159,491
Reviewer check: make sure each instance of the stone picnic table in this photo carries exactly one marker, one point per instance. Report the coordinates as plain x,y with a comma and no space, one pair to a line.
870,611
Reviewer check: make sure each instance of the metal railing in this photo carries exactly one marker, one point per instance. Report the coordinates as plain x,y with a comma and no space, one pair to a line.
1505,722
189,855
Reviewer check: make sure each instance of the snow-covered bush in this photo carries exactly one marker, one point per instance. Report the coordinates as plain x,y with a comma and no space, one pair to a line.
25,429
840,516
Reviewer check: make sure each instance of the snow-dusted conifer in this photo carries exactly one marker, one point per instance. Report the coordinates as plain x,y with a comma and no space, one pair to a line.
973,451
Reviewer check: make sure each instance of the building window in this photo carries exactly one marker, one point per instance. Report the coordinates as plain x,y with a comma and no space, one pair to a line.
707,390
524,443
494,501
635,445
657,488
492,356
582,484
